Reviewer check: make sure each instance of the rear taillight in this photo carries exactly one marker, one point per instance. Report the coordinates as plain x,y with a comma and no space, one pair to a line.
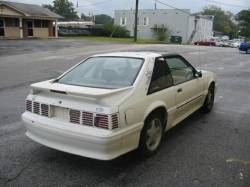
92,119
102,121
38,108
87,118
28,105
114,119
45,110
75,116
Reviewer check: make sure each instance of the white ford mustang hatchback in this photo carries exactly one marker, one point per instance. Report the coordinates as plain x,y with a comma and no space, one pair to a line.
110,104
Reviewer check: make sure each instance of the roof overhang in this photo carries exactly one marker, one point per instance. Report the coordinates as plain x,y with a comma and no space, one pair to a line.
28,15
6,4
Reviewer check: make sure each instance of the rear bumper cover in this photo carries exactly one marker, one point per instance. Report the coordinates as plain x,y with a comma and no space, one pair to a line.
80,140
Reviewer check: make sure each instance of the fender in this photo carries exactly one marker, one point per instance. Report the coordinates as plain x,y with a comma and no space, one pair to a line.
210,77
152,107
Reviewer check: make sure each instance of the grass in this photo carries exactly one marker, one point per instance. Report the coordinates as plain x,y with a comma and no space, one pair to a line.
118,40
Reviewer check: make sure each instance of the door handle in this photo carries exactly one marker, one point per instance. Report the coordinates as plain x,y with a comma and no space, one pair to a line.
179,90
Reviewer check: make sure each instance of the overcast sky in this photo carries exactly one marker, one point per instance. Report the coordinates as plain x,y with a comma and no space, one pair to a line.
108,6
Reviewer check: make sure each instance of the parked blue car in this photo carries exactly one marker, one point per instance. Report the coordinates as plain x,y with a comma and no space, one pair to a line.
245,47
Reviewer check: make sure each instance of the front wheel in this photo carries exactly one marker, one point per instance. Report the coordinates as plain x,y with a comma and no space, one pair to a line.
151,135
209,102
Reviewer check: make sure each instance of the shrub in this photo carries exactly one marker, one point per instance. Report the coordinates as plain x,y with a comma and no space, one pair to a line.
161,33
113,30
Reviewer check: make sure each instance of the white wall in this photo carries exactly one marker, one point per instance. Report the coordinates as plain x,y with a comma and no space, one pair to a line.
175,20
204,29
180,23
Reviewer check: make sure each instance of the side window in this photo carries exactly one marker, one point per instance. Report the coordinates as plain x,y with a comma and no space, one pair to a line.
180,70
161,77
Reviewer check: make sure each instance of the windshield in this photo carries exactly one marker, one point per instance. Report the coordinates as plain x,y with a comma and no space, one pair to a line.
104,72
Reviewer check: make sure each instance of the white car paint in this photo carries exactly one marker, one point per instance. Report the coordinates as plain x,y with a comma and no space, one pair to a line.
235,44
132,105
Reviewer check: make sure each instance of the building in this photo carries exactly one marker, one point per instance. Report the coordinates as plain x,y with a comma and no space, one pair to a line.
19,20
180,23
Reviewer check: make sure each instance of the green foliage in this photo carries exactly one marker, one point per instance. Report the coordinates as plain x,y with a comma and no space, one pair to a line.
243,17
64,8
85,17
50,7
108,39
161,33
112,30
99,19
103,19
223,21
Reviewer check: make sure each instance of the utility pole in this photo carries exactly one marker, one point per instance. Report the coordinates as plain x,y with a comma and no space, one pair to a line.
136,20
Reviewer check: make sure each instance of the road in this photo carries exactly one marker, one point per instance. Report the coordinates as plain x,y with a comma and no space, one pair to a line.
204,150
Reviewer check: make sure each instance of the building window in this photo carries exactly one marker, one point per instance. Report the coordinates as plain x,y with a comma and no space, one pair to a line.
41,23
37,23
45,23
1,27
123,21
11,22
138,21
16,22
145,21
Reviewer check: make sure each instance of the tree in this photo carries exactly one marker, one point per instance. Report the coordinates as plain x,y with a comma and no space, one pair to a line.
50,7
64,8
85,17
223,21
112,30
161,33
103,19
243,17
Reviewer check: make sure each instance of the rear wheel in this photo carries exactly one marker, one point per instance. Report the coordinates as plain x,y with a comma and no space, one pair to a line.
209,102
151,135
248,51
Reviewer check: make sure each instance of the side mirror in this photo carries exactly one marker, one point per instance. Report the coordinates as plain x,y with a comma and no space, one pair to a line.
198,74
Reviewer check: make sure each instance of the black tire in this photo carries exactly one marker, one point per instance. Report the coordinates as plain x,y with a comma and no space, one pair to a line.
146,146
209,101
248,51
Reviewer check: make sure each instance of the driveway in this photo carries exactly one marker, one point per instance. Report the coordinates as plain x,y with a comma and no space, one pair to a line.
204,150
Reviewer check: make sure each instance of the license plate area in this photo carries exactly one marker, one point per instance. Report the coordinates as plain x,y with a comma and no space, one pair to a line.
60,113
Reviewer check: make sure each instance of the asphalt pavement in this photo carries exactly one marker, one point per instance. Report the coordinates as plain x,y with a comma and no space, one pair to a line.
204,150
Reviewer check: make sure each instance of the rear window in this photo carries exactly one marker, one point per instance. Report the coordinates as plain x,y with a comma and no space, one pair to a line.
104,72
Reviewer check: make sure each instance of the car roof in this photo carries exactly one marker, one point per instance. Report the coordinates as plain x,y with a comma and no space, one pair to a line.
137,54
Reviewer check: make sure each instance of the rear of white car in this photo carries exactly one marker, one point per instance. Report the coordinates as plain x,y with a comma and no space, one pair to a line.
82,120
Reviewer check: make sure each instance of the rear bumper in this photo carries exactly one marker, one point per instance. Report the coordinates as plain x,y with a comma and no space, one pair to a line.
80,140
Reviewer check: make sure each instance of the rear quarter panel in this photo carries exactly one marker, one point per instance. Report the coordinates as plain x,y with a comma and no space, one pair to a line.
139,105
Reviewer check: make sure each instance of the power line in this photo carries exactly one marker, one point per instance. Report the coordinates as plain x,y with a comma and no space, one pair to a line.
226,4
171,6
